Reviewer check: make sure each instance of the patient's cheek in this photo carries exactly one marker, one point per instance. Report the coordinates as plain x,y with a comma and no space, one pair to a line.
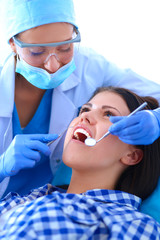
112,139
114,145
70,131
66,139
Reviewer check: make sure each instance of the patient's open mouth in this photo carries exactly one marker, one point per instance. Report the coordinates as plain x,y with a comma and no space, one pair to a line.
81,134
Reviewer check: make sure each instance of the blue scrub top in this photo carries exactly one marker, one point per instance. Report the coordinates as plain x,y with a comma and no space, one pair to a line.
40,174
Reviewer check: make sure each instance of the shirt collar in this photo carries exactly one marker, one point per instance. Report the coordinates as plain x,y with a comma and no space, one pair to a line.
70,82
114,196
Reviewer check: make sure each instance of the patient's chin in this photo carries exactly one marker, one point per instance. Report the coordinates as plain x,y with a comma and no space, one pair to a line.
71,155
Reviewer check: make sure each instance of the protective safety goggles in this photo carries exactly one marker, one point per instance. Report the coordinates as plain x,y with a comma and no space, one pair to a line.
37,54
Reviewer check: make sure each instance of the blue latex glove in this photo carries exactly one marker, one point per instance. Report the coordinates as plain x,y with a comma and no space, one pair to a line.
23,152
143,128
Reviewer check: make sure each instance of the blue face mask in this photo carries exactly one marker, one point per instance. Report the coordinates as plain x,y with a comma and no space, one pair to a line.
40,78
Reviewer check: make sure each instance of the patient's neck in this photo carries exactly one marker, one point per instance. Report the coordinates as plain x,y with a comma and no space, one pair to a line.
81,182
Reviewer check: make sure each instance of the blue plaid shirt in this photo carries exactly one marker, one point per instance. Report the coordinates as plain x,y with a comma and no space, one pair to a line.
96,214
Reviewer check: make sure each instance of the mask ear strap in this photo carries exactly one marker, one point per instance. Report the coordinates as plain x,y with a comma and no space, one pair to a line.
17,56
14,54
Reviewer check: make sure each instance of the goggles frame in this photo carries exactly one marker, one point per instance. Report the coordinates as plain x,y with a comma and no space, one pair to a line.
25,45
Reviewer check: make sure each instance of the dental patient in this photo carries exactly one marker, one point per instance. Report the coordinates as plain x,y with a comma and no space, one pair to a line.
108,182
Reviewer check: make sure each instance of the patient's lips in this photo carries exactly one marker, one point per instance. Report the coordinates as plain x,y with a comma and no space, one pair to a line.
81,133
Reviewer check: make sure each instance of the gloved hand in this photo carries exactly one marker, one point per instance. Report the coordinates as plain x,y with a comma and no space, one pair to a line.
24,152
142,128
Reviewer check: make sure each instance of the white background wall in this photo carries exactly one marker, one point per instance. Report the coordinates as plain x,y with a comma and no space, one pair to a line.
126,32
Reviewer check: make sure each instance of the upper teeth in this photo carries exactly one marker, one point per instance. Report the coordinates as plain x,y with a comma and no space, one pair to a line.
81,130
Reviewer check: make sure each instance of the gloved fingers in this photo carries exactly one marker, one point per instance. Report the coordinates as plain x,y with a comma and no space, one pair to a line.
25,163
31,155
143,129
39,146
143,138
28,163
12,168
122,124
43,137
134,136
132,132
131,141
115,119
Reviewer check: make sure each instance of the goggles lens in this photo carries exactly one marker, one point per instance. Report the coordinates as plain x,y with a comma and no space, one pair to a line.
36,54
39,55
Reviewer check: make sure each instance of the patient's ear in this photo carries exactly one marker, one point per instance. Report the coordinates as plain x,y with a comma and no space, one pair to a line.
133,157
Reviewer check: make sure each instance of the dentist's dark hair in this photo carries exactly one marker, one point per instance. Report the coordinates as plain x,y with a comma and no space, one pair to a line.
140,179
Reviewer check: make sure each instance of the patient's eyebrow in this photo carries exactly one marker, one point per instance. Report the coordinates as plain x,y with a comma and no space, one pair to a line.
88,104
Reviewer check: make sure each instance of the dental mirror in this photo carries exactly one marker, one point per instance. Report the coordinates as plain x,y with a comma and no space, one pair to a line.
92,142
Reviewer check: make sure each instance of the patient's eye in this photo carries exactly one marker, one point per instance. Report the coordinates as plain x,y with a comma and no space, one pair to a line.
84,109
108,113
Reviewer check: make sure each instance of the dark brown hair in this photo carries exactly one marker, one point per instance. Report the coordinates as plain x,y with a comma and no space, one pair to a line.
140,179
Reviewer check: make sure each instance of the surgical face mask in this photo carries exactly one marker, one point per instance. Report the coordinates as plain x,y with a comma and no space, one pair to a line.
40,78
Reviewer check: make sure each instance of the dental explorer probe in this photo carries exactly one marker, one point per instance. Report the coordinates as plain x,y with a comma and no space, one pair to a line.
92,142
49,143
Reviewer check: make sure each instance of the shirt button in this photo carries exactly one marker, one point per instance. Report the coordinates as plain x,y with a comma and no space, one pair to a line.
69,209
58,160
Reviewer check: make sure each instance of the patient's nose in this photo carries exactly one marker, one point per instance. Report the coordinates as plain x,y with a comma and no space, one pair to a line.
88,117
